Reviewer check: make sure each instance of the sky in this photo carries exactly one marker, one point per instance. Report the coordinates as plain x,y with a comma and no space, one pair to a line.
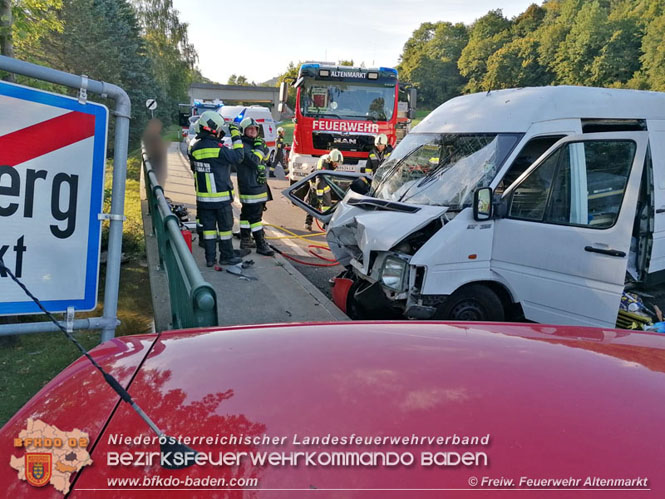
259,38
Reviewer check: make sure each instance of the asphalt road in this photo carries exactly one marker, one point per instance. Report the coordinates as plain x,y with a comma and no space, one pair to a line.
287,223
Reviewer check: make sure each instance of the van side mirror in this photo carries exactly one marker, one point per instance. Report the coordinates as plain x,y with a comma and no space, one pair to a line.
482,204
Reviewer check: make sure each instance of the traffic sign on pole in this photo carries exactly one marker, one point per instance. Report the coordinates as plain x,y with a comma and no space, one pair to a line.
52,157
151,104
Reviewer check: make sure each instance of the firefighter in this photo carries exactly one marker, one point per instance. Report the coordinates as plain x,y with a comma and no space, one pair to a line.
211,163
319,191
379,153
279,154
253,187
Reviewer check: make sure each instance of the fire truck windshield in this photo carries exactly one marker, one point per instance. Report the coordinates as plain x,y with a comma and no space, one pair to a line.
342,100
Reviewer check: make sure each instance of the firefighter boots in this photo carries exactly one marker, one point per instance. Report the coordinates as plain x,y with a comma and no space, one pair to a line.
226,254
262,247
246,241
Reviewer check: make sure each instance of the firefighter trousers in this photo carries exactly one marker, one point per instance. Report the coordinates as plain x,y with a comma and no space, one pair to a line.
250,218
217,224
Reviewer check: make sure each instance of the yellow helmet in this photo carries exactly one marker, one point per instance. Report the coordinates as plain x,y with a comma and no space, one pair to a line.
334,156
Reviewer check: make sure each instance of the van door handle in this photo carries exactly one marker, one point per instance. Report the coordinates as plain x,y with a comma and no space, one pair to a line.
660,210
609,252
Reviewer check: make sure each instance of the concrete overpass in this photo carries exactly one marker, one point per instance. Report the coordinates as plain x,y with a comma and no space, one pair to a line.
236,93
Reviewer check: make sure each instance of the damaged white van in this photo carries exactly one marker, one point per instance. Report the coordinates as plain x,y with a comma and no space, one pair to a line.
537,203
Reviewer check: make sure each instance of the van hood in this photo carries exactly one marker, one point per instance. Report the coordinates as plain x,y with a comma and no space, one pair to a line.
354,232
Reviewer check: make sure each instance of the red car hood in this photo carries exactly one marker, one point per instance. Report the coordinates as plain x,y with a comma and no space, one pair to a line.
78,398
556,402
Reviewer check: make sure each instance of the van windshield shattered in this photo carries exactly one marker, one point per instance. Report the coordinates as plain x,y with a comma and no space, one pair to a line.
442,169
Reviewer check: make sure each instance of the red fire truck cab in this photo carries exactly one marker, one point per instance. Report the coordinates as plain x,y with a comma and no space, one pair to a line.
341,107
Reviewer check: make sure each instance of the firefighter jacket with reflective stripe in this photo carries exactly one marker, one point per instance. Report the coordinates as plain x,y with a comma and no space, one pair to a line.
321,187
375,159
279,154
251,190
211,163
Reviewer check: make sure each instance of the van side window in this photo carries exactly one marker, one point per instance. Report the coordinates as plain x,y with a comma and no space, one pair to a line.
581,184
527,156
529,199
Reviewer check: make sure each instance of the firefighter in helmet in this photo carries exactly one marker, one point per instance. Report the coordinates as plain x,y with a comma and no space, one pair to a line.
319,191
379,153
253,187
279,153
211,164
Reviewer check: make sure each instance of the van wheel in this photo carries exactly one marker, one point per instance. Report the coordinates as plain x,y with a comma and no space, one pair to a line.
472,303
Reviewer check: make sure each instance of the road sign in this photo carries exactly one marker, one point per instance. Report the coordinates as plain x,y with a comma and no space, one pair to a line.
52,156
151,104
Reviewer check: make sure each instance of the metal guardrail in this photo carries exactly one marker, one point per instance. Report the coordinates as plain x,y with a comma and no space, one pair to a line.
193,300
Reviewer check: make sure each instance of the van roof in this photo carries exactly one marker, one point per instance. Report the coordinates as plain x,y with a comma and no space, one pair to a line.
233,111
514,110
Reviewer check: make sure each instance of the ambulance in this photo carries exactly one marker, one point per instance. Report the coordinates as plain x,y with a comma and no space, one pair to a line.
262,115
543,204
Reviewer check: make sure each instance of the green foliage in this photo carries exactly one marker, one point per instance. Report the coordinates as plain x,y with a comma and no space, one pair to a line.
173,58
605,43
240,80
488,34
133,242
429,61
32,19
345,62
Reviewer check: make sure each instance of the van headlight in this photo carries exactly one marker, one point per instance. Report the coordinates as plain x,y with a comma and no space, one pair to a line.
393,273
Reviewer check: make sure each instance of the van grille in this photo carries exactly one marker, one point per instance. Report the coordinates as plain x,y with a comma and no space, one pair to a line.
343,142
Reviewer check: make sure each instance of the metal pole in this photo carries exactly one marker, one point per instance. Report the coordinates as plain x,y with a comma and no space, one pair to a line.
122,113
48,327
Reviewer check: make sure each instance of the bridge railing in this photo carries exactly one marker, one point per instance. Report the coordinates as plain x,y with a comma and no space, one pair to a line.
193,300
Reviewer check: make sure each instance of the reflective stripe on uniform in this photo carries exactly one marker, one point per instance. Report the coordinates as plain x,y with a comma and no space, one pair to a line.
256,226
225,235
372,155
237,144
244,224
258,154
209,234
253,198
206,153
213,197
321,192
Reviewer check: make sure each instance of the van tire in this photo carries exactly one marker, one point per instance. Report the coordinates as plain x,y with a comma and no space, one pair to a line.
472,303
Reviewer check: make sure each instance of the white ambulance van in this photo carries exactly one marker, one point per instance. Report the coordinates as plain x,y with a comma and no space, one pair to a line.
543,203
262,116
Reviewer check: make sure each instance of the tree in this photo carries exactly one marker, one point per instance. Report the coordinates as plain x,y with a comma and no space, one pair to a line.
239,80
488,34
102,39
429,61
345,62
173,58
516,65
23,23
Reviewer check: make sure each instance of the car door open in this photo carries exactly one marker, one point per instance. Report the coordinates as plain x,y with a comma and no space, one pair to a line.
563,242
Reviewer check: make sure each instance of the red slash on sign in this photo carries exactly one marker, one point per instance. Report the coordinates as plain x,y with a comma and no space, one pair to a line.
45,137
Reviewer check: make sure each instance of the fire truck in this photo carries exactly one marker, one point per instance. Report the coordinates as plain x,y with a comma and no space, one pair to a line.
345,108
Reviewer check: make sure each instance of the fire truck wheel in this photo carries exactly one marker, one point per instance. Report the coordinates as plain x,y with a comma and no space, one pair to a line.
472,303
